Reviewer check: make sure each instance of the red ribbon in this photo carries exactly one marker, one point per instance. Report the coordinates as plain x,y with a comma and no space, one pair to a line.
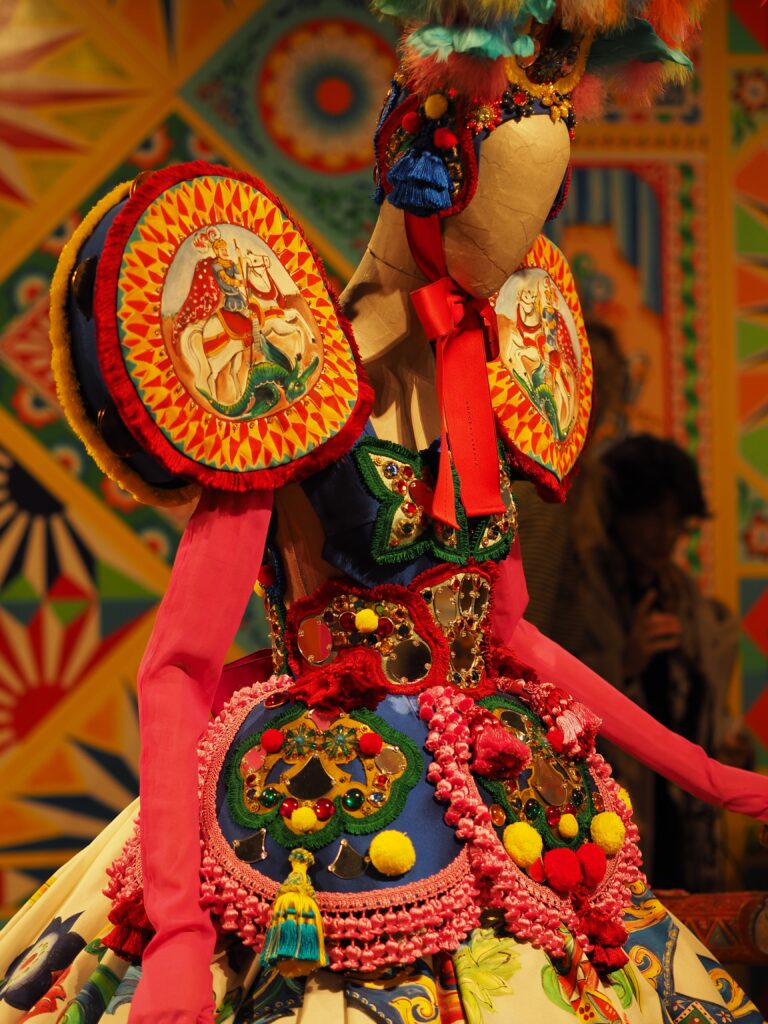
464,331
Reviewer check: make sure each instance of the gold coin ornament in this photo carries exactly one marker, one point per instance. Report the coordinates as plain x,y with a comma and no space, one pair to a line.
208,349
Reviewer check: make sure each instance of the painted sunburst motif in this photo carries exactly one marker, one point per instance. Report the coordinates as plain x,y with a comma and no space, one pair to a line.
33,87
61,607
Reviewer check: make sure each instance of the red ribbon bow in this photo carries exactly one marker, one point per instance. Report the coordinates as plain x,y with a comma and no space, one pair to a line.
464,330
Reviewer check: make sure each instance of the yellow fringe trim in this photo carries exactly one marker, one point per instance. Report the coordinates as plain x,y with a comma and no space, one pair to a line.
67,384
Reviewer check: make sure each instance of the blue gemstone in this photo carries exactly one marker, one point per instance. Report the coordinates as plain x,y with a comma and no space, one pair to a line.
390,469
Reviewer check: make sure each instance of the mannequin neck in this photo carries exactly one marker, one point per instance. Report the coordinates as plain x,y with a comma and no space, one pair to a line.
397,356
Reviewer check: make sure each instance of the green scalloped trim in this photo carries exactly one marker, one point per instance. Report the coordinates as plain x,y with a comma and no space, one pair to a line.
495,789
341,822
390,502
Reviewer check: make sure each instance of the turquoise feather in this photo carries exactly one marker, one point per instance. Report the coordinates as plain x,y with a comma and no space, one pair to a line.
441,41
637,41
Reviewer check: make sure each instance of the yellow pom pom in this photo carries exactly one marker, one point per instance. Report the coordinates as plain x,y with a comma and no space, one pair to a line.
624,795
568,826
303,819
435,106
392,853
258,589
608,831
366,620
523,843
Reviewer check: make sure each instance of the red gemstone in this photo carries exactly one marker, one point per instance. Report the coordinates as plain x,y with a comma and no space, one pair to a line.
552,814
381,780
407,472
569,809
385,627
288,806
347,621
324,809
401,486
520,98
275,700
409,508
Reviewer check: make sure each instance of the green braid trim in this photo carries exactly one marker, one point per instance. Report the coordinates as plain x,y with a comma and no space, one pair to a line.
495,789
390,502
341,821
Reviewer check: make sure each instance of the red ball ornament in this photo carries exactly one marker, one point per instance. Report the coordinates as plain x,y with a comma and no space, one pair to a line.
593,863
412,122
556,738
562,869
536,871
288,806
324,809
370,744
272,740
444,138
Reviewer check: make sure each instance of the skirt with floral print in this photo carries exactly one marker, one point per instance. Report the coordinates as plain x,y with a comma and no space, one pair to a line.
55,968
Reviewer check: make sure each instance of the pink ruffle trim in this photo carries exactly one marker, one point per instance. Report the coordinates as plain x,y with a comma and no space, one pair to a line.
532,912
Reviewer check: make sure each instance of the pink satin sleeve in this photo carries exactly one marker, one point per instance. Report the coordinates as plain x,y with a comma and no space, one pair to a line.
624,723
212,579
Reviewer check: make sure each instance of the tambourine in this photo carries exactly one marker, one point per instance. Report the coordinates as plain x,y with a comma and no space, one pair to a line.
541,378
196,342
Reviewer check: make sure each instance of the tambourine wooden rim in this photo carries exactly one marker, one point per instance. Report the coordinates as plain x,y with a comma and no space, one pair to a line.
67,385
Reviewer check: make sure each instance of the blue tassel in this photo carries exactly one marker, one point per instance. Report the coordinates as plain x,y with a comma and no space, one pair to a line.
420,183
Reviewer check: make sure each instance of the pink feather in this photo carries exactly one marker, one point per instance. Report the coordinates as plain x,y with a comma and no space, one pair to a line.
589,98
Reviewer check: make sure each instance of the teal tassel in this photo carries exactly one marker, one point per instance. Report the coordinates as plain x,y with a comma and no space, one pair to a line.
294,942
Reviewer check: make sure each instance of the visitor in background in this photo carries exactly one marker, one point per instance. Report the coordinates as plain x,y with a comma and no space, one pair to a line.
640,620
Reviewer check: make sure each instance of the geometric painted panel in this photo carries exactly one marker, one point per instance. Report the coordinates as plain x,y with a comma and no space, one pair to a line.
61,606
298,96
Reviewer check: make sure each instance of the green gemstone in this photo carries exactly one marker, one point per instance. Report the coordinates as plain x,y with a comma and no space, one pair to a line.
269,797
353,799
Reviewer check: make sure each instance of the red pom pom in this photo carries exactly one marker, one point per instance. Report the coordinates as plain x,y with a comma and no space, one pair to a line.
602,931
593,863
272,740
536,871
412,122
370,744
556,738
350,681
608,958
499,754
562,869
444,138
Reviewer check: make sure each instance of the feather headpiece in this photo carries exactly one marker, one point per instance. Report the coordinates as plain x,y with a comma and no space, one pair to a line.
469,65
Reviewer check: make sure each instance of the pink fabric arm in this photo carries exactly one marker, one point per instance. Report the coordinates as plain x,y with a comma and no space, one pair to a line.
212,579
624,723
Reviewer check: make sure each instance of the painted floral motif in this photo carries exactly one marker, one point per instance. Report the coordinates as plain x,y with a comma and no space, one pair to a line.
484,966
33,973
749,94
